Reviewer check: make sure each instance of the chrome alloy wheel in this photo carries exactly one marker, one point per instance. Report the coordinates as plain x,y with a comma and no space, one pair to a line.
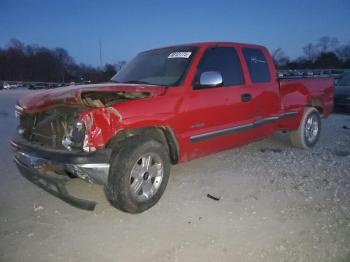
311,128
146,176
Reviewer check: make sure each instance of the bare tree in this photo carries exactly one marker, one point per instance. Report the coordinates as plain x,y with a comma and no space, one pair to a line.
310,52
328,60
15,44
64,59
328,44
118,65
279,57
343,52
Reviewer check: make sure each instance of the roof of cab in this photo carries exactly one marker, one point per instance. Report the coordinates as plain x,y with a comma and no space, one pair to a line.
207,44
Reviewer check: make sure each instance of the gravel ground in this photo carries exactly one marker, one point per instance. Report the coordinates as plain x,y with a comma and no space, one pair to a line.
277,203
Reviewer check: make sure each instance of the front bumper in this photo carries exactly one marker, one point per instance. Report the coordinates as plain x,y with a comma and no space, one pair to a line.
50,168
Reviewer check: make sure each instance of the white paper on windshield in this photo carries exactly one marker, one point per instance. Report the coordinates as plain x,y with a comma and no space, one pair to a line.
180,55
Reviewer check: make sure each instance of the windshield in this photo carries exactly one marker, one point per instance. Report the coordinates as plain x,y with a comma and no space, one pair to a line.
165,66
345,80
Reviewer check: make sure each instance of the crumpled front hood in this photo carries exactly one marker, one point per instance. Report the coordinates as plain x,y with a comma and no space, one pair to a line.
72,95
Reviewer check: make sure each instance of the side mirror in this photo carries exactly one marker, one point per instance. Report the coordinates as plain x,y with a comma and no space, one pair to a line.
210,79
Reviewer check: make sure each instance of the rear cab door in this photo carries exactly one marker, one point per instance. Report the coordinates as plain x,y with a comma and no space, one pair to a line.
262,82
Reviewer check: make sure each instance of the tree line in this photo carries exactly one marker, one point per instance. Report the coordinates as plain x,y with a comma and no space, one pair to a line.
327,53
20,62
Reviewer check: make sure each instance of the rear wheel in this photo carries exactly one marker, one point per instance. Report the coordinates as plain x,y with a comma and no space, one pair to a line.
138,175
308,133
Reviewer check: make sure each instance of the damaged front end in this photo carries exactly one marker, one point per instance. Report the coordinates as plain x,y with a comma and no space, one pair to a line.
51,147
65,136
81,126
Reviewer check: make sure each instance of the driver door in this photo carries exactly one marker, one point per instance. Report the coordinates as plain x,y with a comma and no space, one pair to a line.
219,117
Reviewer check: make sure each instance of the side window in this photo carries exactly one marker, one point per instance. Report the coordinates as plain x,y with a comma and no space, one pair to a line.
257,65
225,61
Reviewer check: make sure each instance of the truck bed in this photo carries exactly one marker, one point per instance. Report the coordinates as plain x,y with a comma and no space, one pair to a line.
317,92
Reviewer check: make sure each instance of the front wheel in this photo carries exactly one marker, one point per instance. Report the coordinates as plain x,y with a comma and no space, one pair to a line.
139,174
308,133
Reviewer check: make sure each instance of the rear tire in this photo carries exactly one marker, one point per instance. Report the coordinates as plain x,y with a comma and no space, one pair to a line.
308,133
138,174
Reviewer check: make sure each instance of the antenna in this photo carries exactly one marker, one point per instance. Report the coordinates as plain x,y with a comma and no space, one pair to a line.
99,43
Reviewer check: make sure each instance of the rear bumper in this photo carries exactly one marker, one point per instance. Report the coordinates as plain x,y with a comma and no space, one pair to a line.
50,168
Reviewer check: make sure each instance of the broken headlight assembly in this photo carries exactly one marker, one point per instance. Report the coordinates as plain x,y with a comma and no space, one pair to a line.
75,138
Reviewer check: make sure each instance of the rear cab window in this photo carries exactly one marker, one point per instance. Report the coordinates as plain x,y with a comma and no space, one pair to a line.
258,67
224,60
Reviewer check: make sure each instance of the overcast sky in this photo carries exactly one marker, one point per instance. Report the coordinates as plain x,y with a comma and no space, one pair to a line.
127,27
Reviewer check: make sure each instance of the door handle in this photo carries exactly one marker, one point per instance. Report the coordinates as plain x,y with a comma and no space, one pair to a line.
246,97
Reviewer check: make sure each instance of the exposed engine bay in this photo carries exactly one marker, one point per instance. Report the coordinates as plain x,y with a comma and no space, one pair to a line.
105,99
60,128
50,128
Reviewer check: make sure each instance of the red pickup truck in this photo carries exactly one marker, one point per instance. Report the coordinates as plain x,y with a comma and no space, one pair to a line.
165,106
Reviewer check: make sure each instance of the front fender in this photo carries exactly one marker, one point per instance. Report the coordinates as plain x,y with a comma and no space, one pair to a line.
101,124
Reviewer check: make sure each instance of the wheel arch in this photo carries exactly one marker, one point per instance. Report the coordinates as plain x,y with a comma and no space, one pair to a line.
163,134
317,104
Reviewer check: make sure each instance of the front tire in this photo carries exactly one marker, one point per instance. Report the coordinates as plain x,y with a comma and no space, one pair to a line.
308,133
138,175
